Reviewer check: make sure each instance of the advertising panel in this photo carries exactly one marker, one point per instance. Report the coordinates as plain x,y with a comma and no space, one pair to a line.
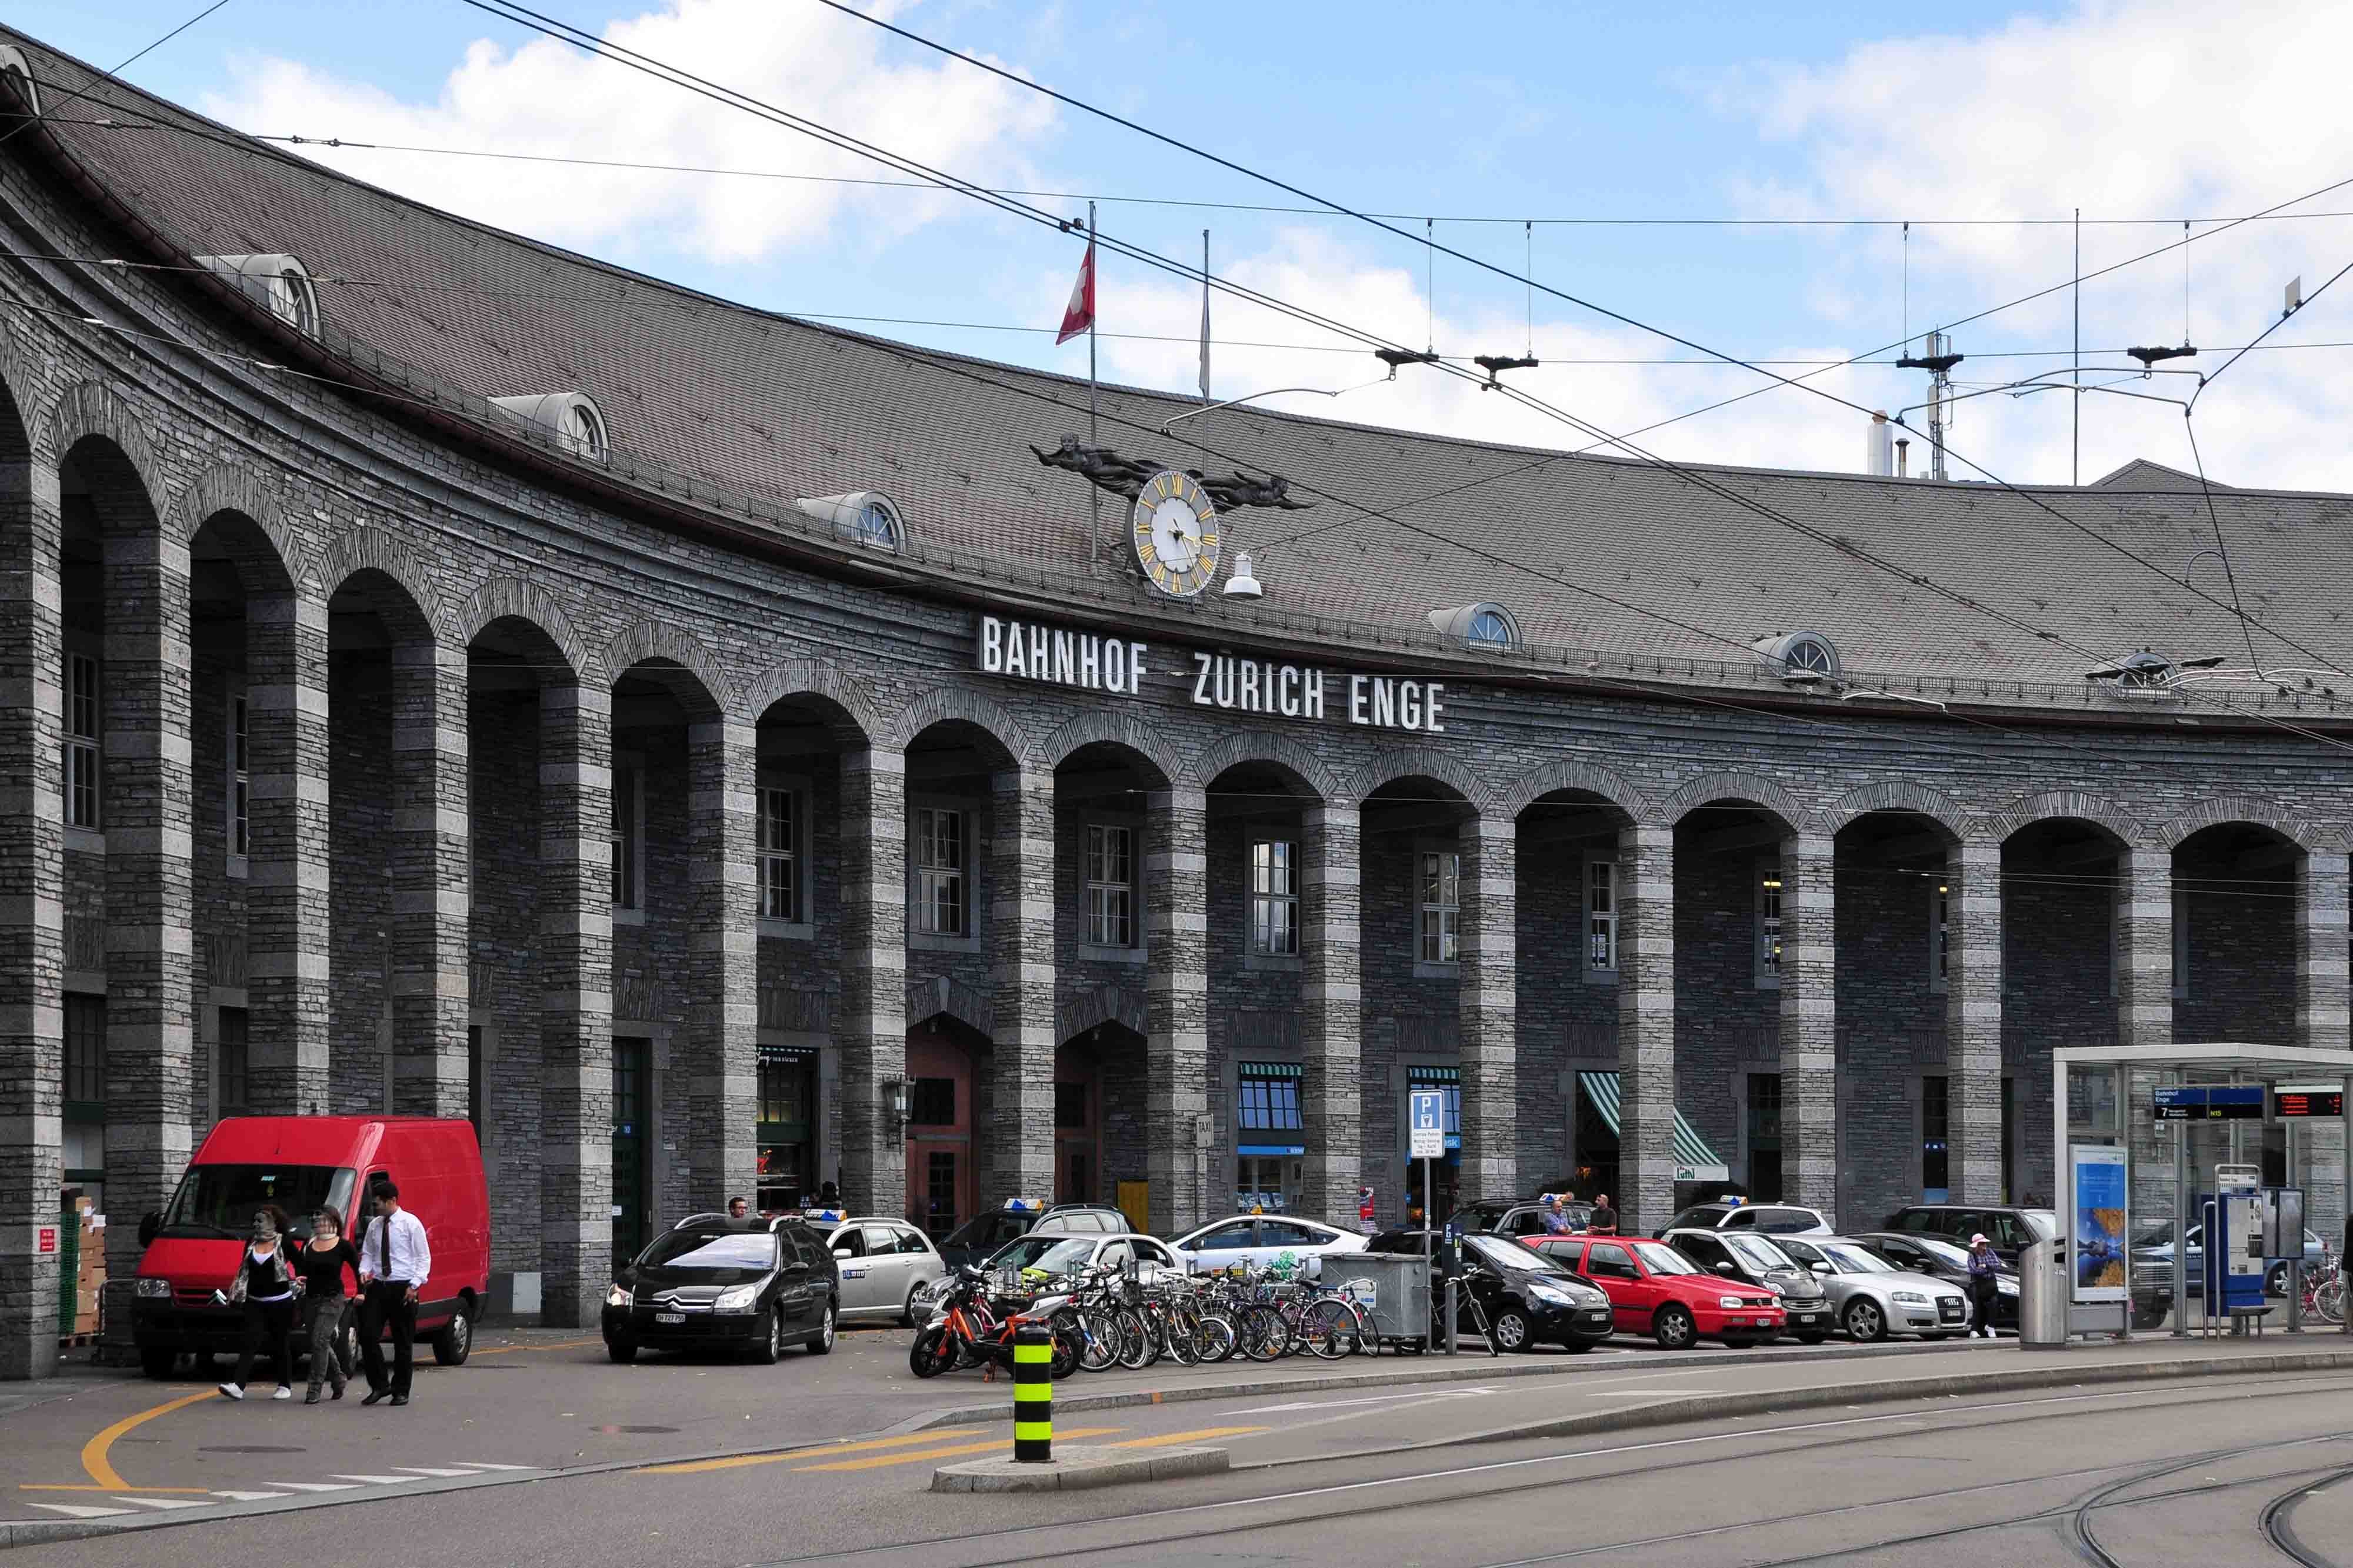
2100,1223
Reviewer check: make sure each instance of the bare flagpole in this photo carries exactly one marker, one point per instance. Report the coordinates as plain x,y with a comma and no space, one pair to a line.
1094,497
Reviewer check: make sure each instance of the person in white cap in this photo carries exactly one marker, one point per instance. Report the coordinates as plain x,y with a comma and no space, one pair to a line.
1984,1268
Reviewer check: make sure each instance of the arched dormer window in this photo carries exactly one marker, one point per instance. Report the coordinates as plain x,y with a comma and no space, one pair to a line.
19,72
1481,627
861,517
570,419
276,282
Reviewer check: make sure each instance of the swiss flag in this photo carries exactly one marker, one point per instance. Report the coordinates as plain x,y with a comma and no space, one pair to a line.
1079,314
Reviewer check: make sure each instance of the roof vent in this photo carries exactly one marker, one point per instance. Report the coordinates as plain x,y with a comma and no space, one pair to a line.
278,283
19,72
570,419
862,517
1800,659
1484,628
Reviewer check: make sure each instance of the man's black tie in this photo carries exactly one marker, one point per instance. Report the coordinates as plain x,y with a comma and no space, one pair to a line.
384,1249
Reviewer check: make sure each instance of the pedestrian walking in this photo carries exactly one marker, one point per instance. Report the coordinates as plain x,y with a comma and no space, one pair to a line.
322,1262
1605,1218
394,1263
1984,1270
265,1285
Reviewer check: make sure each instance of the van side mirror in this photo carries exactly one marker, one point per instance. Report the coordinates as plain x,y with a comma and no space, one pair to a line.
150,1225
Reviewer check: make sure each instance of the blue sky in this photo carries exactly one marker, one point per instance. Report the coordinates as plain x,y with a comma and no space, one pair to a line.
2158,110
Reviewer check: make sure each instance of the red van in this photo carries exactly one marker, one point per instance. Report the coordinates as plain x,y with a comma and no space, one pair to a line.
300,1162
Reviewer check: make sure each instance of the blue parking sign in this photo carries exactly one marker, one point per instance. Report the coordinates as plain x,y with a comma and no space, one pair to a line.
1426,1121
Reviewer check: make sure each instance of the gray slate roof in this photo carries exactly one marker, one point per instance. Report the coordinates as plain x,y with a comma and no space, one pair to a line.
776,407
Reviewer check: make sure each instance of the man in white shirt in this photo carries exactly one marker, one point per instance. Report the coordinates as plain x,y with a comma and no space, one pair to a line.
394,1263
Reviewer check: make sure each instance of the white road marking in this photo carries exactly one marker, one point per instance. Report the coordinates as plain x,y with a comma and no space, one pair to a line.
160,1503
250,1497
1645,1392
76,1510
316,1486
377,1480
429,1470
484,1465
1375,1399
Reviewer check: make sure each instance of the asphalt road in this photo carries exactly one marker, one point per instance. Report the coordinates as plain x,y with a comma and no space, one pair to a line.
2165,1472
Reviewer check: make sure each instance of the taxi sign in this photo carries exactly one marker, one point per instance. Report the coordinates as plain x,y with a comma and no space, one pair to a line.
824,1217
1024,1206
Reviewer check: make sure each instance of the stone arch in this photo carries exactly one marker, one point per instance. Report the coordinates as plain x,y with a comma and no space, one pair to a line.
1391,764
1572,772
2229,808
275,557
1258,746
941,995
1902,795
368,547
2080,805
1084,1008
1125,731
814,677
513,599
949,703
91,409
19,399
1736,785
705,691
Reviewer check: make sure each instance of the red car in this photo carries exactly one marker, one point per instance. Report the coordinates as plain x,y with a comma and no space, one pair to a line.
1658,1291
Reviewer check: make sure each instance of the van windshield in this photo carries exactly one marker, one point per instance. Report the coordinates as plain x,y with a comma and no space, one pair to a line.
221,1200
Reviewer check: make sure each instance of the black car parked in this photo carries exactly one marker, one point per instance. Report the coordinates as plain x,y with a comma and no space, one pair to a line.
1941,1258
981,1237
2007,1228
1753,1259
726,1285
1529,1299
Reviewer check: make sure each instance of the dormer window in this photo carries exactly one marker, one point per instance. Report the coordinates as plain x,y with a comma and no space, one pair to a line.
859,517
278,283
19,72
570,419
878,524
294,303
587,428
1800,659
1482,628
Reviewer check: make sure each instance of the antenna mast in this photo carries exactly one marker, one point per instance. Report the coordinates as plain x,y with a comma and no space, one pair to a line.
1938,361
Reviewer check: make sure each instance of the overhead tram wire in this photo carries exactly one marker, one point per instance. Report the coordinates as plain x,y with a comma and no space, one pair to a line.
1593,306
113,75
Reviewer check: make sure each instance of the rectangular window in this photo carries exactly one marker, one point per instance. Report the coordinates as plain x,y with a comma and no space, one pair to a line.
932,1102
85,1058
1768,926
1935,1139
1111,886
1266,1098
240,779
1601,916
473,1078
1070,1107
1940,931
1274,897
629,833
79,777
1441,905
2180,944
1765,1136
233,1075
940,872
779,855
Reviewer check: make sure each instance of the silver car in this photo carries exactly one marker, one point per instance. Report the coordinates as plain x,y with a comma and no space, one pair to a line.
884,1265
1872,1297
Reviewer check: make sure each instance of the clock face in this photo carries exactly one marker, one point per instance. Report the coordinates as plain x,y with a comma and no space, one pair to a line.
1176,533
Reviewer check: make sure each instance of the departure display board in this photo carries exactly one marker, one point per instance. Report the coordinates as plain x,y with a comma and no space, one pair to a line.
2210,1102
2310,1101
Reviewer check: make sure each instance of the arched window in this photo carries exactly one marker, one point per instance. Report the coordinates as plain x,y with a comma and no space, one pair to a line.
1489,628
587,430
878,524
296,305
1481,627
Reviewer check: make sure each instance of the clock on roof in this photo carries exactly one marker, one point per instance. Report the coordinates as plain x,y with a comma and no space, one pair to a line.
1175,529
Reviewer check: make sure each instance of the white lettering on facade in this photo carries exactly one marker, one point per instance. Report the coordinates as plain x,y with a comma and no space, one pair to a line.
1289,701
1313,701
1115,666
1384,702
1356,700
992,646
1060,656
1250,685
1066,672
1410,704
1433,708
1090,664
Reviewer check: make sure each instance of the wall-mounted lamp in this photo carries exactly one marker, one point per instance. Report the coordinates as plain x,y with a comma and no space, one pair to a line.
898,1099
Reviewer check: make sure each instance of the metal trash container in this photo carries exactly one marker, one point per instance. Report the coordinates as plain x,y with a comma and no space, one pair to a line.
2042,1295
1393,1288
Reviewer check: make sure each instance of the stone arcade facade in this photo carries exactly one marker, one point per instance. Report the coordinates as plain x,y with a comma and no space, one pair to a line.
351,761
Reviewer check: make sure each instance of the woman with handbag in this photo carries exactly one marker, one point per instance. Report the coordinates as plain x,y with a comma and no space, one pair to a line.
266,1285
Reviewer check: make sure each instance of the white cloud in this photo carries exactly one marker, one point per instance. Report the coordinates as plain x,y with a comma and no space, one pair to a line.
544,97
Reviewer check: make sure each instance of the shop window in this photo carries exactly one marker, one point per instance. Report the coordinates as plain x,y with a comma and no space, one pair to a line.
1274,898
629,833
940,872
1768,924
932,1102
1267,1101
80,772
1111,886
1935,1139
233,1064
239,783
1441,905
779,827
1601,917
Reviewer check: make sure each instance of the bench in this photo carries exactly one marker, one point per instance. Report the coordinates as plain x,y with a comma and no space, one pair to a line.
2247,1319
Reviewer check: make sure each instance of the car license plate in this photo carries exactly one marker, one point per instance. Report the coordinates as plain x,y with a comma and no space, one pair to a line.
670,1317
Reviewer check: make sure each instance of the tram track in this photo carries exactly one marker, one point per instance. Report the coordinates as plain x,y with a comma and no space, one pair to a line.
2277,1521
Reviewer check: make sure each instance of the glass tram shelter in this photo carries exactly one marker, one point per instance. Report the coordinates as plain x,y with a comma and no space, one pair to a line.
2195,1185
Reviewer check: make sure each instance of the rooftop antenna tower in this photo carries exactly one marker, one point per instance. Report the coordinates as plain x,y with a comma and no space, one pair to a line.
1938,361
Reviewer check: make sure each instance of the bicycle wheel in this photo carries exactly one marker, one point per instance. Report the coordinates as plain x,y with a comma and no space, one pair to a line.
1263,1335
2328,1301
1137,1349
1217,1337
1180,1333
1099,1348
1331,1329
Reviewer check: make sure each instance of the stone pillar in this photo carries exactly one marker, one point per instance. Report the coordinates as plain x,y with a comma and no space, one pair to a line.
872,1027
1176,993
1646,1026
1487,999
32,913
1809,1023
288,968
1022,989
2145,948
575,925
722,1043
150,917
2321,1025
1332,1012
431,905
1973,1020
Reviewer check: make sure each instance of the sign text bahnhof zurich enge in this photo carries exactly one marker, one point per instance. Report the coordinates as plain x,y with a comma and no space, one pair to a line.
1031,650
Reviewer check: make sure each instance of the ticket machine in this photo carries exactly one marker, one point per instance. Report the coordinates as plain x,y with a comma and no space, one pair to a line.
2233,1220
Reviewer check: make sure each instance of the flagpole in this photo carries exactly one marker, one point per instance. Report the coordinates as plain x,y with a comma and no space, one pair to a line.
1095,498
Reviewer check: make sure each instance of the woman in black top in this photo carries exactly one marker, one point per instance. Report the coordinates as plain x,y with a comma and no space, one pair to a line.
323,1263
266,1286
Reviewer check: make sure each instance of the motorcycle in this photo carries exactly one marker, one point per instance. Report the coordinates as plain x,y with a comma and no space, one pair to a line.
965,1331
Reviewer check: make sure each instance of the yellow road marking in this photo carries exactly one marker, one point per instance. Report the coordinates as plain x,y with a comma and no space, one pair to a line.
560,1345
737,1461
993,1445
94,1462
1170,1439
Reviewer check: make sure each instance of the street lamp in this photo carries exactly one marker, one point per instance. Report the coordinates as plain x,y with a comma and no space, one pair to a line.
897,1099
1228,402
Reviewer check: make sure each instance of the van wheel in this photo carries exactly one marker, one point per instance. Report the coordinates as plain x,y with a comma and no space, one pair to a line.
453,1344
158,1363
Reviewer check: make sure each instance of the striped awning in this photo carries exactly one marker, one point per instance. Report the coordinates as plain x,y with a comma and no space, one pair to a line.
1694,1160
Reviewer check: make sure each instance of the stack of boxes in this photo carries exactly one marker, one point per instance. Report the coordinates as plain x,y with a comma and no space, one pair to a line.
82,1265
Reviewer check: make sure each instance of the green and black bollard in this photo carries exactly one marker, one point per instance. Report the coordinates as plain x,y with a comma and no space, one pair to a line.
1033,1396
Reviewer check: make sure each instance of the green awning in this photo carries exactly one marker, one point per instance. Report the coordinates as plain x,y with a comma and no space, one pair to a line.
1269,1069
1694,1160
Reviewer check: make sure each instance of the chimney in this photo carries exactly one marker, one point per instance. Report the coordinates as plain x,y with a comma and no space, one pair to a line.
1903,458
1880,447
